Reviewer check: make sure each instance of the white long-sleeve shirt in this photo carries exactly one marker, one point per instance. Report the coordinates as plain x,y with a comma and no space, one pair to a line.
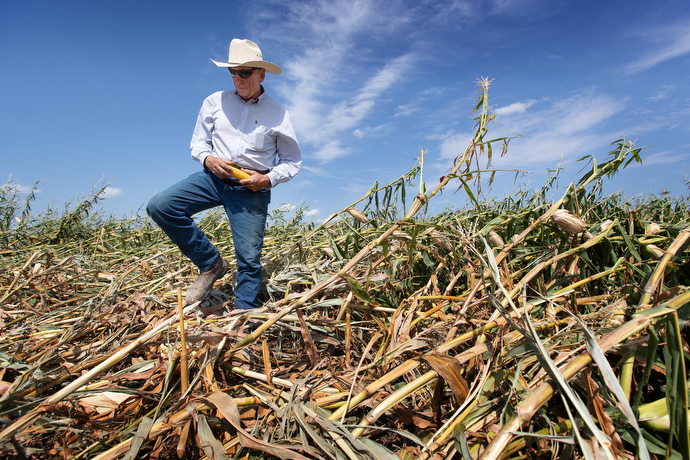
255,135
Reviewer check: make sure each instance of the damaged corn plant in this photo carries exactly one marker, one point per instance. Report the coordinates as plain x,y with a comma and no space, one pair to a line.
524,327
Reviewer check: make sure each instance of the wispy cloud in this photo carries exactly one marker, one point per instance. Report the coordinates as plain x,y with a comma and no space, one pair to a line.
404,110
675,41
328,95
371,130
330,151
303,184
663,92
322,124
345,60
312,169
662,158
570,128
516,107
520,7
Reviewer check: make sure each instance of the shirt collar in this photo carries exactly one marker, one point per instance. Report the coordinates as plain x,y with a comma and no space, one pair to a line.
253,101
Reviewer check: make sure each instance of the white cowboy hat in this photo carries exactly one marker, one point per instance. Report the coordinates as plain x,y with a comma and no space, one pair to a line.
246,53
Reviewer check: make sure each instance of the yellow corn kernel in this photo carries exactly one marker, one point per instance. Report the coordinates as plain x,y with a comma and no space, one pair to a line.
238,173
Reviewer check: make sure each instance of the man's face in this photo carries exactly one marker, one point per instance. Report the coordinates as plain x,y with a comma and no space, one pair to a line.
250,87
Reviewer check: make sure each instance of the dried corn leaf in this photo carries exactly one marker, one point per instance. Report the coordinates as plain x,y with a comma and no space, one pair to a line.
450,370
227,406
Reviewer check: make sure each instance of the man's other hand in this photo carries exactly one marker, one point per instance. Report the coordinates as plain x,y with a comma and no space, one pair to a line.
257,181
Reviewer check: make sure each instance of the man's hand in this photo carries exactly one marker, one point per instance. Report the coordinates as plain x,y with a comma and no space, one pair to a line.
257,181
218,167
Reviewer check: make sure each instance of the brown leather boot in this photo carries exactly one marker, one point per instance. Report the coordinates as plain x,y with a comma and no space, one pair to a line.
204,283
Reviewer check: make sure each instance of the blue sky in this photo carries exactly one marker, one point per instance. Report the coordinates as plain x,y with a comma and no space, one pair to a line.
93,91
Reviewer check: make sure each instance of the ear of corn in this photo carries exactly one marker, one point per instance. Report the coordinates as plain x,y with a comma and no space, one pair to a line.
495,239
655,251
238,173
568,223
605,225
357,214
653,228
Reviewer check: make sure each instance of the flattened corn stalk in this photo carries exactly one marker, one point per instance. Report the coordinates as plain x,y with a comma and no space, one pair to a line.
86,371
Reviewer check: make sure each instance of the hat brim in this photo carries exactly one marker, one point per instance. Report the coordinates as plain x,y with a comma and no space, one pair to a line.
268,66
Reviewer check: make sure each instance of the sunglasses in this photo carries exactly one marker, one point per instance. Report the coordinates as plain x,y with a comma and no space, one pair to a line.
244,73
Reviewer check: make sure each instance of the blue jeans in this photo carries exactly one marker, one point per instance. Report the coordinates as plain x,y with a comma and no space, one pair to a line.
172,210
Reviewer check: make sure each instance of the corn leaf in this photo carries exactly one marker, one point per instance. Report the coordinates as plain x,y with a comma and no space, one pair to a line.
449,369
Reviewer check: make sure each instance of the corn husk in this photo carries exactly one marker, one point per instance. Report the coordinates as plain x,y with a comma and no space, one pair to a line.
655,251
653,228
357,214
568,223
495,239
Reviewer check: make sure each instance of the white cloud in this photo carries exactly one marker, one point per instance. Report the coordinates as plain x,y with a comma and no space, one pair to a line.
328,95
453,146
317,171
404,110
431,92
312,213
111,192
331,151
582,111
516,107
663,93
303,183
325,123
675,41
533,8
570,127
22,189
354,189
371,130
661,158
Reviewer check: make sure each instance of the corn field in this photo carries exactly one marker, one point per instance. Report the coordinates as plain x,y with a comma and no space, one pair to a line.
527,327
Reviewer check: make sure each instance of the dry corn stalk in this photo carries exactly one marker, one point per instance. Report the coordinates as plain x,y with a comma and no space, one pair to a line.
52,333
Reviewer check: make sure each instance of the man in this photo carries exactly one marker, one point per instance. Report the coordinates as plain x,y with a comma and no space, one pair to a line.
248,129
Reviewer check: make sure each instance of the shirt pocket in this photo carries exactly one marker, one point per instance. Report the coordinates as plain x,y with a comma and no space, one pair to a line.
259,139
